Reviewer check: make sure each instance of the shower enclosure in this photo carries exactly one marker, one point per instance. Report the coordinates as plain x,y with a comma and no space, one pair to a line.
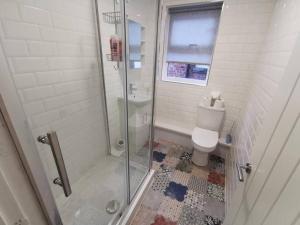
77,87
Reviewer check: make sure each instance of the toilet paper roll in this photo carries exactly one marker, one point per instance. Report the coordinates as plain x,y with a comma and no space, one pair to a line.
205,101
215,94
219,104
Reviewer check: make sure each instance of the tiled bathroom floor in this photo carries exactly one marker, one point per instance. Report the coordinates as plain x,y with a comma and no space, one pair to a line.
182,193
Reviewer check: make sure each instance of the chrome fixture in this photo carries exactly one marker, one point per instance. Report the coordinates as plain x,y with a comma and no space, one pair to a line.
43,139
112,206
57,181
132,88
51,139
240,168
112,17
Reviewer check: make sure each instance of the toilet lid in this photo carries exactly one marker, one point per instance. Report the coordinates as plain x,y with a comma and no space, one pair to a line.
205,138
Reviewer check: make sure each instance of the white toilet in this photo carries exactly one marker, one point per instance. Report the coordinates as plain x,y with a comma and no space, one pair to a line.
206,135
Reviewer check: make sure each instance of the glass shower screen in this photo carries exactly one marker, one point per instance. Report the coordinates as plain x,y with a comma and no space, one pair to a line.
83,81
141,22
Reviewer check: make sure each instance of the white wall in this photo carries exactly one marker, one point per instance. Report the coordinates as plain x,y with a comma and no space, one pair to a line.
51,49
275,54
16,191
242,29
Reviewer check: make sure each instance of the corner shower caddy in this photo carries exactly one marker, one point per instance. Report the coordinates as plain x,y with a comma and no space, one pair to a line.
114,18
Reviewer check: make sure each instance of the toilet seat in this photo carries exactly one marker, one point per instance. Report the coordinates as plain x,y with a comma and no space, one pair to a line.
206,140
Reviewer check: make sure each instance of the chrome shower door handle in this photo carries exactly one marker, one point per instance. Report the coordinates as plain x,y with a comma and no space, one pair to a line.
52,140
240,168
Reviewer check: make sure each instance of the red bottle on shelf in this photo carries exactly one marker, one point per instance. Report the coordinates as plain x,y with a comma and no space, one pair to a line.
116,48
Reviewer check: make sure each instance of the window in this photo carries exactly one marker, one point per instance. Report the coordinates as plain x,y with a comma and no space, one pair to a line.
190,43
135,40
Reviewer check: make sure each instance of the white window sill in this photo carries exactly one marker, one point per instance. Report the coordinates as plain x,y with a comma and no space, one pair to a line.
186,81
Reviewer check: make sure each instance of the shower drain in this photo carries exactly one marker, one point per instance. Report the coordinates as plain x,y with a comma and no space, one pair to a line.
112,206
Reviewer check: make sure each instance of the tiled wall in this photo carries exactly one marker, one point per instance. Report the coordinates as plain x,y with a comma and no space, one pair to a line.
51,48
242,29
112,75
278,45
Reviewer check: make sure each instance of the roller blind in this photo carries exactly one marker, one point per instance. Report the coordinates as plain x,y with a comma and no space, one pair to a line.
192,33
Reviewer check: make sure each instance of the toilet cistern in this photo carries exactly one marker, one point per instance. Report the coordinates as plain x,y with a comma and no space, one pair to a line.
205,135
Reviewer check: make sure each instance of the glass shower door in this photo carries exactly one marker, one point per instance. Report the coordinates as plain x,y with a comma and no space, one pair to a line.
57,78
141,21
93,141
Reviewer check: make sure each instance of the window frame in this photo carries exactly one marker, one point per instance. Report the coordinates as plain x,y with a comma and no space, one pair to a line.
164,38
165,76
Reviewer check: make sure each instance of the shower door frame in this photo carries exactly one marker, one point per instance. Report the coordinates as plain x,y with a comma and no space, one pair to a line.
16,121
125,48
124,73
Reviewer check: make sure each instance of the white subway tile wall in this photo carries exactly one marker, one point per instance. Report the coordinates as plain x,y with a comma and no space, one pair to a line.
241,32
51,47
278,44
112,76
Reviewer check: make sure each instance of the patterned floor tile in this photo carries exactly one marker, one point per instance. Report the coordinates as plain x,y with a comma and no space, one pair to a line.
153,199
175,152
144,216
160,220
209,220
183,193
160,182
216,178
170,208
201,172
171,161
217,164
158,156
180,177
155,144
197,184
181,148
215,191
185,166
162,148
214,207
156,165
191,216
195,200
176,191
186,155
164,168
